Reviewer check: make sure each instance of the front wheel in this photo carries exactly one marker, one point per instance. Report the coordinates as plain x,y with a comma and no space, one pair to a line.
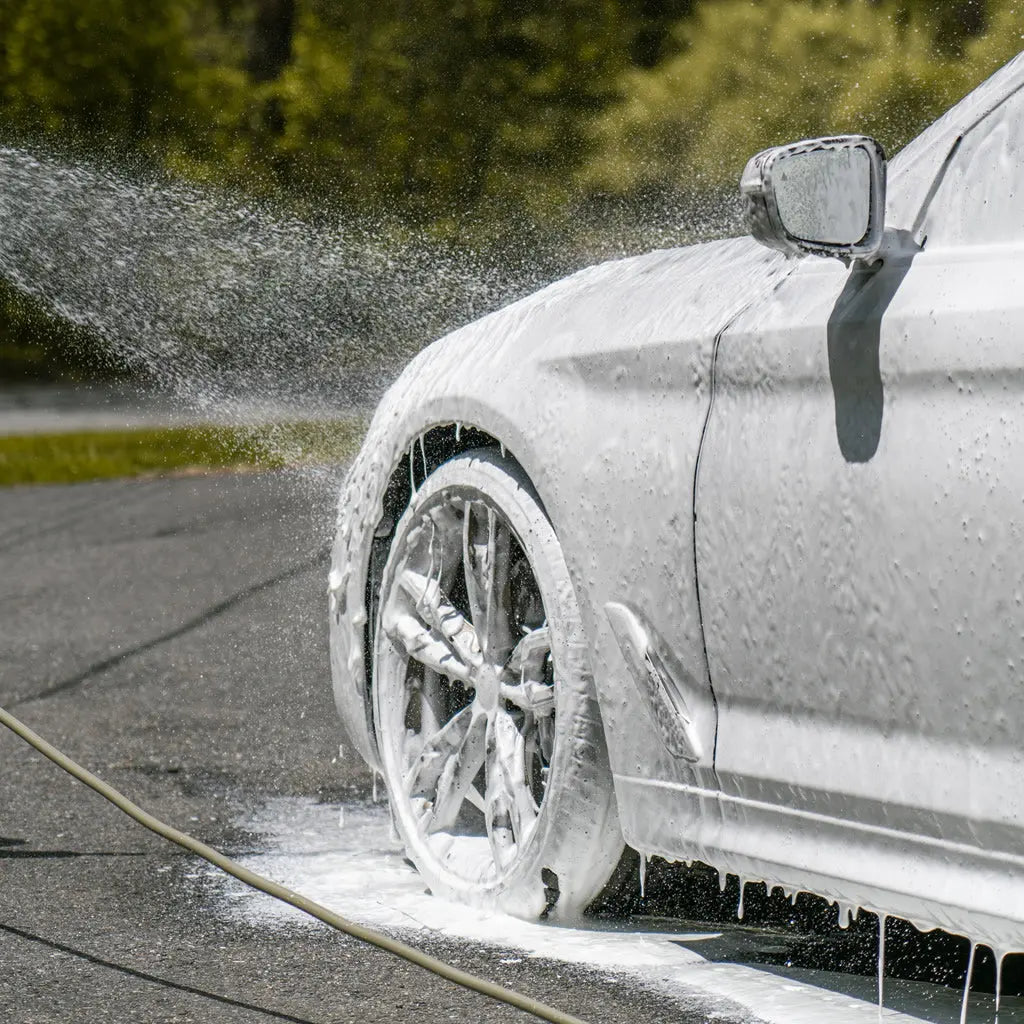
486,719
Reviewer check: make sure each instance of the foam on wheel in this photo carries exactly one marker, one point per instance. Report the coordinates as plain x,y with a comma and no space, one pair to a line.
484,705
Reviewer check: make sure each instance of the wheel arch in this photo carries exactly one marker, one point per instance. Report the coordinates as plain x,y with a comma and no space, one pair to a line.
422,449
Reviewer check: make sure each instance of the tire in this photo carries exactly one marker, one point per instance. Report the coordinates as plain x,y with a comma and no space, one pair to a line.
486,718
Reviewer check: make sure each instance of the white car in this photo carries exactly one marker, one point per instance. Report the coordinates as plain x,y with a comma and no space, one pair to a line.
719,552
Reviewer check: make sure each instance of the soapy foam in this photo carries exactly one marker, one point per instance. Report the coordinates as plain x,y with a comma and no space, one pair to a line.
347,859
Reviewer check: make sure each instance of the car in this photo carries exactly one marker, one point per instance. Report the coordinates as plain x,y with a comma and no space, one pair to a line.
717,552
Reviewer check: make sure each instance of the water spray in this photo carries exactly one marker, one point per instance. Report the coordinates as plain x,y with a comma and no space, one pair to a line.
357,931
222,300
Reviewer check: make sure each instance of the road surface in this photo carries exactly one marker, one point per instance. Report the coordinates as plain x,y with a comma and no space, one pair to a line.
171,636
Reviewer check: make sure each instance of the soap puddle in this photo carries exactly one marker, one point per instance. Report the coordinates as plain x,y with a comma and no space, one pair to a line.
345,857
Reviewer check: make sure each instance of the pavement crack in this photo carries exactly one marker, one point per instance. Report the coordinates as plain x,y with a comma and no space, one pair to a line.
152,978
99,667
59,854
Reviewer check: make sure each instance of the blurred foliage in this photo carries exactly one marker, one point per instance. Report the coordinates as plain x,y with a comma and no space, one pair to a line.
751,75
430,108
445,110
468,118
105,69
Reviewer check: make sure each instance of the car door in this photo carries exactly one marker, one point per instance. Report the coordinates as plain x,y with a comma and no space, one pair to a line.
860,522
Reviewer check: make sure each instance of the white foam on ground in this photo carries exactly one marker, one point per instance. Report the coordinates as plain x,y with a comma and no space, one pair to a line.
347,859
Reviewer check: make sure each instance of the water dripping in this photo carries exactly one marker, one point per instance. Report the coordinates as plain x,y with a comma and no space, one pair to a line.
882,920
967,983
643,875
739,905
1000,957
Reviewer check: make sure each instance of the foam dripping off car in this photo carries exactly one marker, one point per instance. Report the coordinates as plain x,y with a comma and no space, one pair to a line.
346,857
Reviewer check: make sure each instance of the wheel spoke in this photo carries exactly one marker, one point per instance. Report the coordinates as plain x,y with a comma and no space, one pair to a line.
433,545
436,610
499,829
432,703
475,589
458,774
511,810
523,681
546,737
423,643
421,620
485,553
474,797
530,653
423,777
537,698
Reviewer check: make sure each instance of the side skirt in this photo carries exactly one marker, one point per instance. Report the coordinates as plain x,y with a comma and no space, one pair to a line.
934,883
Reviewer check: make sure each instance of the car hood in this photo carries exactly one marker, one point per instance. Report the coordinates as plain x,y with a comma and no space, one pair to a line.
661,297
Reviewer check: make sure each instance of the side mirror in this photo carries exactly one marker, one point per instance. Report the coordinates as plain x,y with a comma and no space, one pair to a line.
822,196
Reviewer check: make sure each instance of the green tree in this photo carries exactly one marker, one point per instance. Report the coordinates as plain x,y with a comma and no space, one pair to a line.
1000,41
751,75
446,111
101,69
462,103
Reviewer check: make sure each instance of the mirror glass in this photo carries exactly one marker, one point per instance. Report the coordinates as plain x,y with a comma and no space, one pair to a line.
824,195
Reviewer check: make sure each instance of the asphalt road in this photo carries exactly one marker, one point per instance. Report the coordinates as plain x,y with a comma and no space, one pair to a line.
171,636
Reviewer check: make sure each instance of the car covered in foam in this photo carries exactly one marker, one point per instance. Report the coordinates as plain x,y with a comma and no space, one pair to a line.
714,552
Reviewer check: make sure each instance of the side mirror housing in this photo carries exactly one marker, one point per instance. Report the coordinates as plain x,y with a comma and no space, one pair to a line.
821,196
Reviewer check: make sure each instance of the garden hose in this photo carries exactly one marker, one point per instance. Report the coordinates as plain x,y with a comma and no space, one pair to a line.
308,906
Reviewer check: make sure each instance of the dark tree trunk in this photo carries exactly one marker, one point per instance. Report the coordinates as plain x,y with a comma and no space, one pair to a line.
654,20
270,41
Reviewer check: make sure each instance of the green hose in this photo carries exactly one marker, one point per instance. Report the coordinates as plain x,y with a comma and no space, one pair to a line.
279,892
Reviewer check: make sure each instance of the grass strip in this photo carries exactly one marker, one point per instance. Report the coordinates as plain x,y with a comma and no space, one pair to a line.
156,451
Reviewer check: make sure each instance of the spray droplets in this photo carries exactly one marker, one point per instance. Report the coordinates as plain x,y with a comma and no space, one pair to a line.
220,299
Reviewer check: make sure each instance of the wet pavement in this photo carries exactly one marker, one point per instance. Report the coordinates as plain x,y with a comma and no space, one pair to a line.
170,635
